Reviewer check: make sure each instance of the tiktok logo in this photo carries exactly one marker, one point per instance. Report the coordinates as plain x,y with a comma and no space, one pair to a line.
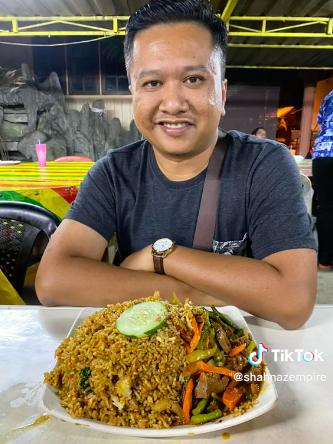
256,357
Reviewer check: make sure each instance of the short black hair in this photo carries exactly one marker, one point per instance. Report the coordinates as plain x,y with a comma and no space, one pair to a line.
254,132
161,12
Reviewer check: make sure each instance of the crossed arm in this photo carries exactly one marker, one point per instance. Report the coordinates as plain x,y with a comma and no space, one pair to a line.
280,288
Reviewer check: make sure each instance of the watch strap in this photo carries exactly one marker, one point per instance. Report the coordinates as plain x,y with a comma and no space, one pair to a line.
158,263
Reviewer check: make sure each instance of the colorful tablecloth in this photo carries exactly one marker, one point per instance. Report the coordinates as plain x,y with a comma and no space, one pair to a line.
53,187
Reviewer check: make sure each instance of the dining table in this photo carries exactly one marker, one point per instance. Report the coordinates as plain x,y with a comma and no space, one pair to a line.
53,187
303,414
305,167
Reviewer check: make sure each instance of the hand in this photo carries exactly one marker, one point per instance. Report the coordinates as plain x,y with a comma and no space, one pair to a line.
140,261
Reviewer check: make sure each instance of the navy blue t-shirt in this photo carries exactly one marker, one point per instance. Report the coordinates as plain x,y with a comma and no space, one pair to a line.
261,208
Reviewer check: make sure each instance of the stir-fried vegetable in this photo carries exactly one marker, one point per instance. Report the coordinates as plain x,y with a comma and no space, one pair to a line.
84,375
201,366
167,404
188,400
220,358
250,347
197,333
198,355
254,389
200,407
235,351
201,419
239,333
232,396
224,318
216,347
203,337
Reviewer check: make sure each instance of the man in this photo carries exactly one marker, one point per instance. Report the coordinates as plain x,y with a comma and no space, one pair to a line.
259,132
175,54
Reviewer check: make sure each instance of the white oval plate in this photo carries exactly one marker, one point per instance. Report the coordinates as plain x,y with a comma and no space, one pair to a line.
267,399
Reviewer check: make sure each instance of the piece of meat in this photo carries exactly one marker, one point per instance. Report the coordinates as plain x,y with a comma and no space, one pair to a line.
236,363
245,339
209,383
227,330
254,372
222,338
242,362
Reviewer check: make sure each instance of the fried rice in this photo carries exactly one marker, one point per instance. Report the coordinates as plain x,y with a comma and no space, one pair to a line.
128,376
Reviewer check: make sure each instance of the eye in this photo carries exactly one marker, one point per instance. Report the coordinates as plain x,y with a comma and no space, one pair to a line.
152,84
194,80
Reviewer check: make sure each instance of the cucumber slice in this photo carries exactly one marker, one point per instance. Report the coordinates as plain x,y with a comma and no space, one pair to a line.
142,320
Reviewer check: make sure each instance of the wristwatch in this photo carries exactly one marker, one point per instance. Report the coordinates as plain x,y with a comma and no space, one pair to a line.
160,249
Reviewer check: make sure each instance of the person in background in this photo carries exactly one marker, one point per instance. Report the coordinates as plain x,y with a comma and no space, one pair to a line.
260,132
323,180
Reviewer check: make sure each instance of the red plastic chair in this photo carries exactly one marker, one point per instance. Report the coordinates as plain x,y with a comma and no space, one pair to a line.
73,159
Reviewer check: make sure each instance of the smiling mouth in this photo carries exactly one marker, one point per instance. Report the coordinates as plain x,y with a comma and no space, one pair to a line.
174,125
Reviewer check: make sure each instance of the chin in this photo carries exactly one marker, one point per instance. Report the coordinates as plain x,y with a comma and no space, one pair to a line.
187,152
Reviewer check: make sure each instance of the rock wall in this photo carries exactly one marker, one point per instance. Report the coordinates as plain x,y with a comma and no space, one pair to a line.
32,112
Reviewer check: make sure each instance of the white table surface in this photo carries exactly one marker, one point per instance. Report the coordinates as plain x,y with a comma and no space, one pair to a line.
30,335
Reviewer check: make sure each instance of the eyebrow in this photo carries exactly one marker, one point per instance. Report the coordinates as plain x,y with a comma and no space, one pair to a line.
156,72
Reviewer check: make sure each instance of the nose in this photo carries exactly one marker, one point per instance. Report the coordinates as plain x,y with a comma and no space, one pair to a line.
173,100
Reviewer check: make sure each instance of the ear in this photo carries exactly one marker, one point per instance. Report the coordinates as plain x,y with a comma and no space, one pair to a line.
224,95
131,89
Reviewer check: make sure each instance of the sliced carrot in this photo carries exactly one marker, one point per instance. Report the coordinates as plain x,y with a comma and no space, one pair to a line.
187,400
254,389
232,384
232,396
197,335
194,325
187,347
235,351
200,366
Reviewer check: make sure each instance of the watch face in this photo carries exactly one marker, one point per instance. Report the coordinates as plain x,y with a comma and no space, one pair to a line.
162,244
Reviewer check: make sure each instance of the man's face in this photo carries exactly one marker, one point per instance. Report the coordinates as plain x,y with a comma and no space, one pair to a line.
178,93
261,133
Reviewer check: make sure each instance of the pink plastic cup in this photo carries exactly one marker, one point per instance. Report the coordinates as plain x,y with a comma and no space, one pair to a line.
41,154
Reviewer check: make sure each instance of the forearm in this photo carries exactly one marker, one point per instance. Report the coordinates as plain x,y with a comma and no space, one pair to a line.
251,285
86,282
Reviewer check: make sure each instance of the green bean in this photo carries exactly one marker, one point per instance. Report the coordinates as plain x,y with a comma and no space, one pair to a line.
211,362
198,311
203,337
220,364
218,320
252,345
215,396
207,320
248,394
239,333
200,419
224,318
200,407
219,356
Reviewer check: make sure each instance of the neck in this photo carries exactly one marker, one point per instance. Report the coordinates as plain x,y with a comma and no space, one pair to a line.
180,168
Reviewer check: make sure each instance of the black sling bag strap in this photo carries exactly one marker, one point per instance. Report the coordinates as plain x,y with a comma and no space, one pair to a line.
206,222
